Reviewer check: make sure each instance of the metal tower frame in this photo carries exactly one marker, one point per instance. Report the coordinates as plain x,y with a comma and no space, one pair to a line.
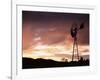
74,31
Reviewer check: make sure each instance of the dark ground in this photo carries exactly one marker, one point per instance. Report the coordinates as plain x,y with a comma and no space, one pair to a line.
29,63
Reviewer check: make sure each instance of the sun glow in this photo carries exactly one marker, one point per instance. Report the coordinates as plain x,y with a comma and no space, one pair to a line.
53,52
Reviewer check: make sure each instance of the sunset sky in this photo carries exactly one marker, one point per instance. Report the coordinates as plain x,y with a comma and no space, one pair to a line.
47,35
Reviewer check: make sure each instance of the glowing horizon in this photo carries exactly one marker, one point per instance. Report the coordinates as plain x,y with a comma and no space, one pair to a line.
52,52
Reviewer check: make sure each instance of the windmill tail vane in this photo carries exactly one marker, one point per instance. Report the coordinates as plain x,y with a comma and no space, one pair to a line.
81,26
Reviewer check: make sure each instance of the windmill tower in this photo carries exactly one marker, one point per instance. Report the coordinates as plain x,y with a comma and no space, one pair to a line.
74,32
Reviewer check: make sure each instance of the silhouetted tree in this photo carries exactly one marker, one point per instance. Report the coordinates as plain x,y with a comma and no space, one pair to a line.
64,59
81,59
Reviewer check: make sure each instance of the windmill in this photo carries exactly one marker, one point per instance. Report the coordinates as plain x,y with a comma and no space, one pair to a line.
74,32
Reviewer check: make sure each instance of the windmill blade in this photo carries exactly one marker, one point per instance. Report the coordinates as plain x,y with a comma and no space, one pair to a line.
81,26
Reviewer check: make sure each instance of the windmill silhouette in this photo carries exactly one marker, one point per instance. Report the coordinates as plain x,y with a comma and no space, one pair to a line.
74,32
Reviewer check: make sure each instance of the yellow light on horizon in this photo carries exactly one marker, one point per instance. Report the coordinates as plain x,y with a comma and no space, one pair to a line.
49,51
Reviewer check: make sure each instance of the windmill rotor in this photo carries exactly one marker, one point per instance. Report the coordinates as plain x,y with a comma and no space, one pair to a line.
74,30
